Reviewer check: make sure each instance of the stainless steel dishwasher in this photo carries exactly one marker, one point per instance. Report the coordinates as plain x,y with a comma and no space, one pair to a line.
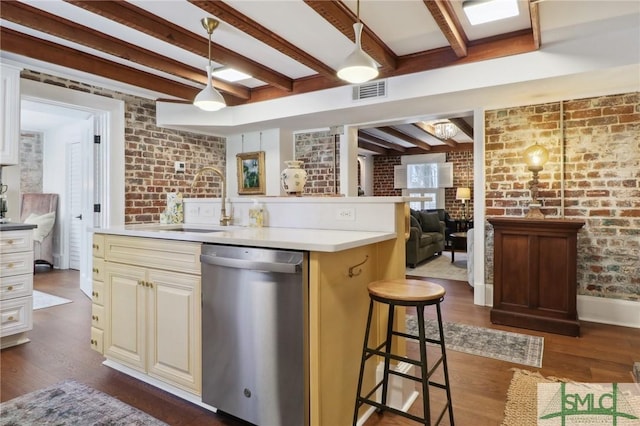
254,334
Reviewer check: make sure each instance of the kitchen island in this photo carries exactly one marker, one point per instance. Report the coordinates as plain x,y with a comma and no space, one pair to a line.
144,274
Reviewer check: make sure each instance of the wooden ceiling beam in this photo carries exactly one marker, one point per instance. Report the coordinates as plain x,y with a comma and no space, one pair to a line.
132,16
449,24
29,16
372,147
463,126
373,139
341,17
231,16
42,50
398,134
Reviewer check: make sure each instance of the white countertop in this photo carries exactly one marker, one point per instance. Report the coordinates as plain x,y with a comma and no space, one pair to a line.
284,238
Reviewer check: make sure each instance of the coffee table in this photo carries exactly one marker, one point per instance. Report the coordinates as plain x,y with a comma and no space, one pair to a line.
458,242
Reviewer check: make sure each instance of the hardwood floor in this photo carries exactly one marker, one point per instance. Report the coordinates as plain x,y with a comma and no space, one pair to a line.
59,349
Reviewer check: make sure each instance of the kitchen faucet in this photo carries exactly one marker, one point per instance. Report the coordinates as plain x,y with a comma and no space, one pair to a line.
224,219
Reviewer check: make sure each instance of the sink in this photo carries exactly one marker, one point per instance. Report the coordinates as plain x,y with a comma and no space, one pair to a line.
201,230
184,228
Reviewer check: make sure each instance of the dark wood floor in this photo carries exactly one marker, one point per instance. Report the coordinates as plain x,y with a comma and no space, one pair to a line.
59,349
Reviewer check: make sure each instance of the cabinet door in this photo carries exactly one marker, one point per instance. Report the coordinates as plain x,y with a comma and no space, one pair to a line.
174,329
9,114
124,304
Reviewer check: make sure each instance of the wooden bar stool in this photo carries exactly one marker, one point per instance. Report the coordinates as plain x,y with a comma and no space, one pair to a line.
419,294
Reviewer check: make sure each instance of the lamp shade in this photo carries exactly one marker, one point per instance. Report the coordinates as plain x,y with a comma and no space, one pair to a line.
209,99
536,156
463,194
358,67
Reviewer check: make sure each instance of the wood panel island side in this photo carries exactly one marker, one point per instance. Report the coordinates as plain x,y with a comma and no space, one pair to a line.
146,317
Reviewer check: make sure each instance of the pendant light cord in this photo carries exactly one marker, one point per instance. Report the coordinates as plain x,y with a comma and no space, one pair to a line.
358,10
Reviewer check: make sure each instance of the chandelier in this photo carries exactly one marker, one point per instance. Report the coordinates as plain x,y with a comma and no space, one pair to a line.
445,130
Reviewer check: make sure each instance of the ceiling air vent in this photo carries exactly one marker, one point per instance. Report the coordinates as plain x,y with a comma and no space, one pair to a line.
375,89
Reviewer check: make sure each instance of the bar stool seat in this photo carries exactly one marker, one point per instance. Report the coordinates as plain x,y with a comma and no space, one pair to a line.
418,294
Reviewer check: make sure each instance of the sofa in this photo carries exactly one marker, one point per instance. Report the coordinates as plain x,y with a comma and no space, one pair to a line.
426,235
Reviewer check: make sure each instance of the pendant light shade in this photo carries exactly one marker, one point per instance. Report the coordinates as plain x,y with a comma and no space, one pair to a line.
358,67
209,99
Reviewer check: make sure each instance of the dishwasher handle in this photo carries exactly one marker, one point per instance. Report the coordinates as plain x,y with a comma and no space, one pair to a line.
254,265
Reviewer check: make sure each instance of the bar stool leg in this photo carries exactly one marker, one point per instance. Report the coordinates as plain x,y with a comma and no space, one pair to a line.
444,364
387,359
362,362
423,365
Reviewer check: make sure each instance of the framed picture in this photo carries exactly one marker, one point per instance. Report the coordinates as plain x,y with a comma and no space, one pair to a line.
251,173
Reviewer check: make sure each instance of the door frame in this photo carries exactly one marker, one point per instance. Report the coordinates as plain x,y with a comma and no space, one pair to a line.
111,162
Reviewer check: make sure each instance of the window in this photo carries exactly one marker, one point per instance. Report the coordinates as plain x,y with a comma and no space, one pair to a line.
425,198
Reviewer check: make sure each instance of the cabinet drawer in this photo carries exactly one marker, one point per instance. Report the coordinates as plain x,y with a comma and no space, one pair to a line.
15,316
97,294
97,316
171,255
16,263
13,241
97,339
16,286
98,269
98,245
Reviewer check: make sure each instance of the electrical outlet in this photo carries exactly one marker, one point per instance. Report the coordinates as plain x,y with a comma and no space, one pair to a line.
179,166
346,214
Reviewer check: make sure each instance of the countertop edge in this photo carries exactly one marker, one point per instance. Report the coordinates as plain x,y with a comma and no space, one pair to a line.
282,238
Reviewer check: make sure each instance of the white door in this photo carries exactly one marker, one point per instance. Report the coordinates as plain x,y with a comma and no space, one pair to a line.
75,203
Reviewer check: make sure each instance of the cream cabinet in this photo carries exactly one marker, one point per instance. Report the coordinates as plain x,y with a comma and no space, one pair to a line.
97,294
152,308
16,286
9,114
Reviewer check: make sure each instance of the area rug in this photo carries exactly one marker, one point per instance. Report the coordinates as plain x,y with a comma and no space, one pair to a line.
71,403
523,408
46,300
497,344
441,267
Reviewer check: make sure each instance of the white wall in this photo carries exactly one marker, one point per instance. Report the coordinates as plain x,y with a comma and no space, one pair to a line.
277,145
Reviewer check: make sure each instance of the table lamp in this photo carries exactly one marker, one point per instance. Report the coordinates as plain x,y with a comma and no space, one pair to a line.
535,156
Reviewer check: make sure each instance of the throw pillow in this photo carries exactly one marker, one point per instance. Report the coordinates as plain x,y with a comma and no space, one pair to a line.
45,224
415,214
415,223
430,222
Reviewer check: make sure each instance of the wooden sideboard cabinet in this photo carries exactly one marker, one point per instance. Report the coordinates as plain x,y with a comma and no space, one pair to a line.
534,282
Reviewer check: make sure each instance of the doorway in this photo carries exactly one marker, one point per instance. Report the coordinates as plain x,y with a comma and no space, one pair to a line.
101,169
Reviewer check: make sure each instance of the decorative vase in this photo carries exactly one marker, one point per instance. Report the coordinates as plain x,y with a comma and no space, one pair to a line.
293,178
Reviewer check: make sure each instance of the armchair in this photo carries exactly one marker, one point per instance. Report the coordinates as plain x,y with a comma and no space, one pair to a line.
426,237
40,209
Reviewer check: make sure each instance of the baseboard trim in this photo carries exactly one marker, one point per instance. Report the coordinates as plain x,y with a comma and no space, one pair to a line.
400,395
195,399
609,311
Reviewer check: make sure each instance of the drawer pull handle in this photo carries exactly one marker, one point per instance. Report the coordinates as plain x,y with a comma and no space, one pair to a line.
10,288
10,318
151,285
94,317
10,265
93,342
10,242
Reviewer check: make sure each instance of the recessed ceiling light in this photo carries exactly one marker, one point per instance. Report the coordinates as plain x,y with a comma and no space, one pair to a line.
482,11
230,75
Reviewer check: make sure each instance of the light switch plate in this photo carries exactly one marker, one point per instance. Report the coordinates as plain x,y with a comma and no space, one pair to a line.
179,166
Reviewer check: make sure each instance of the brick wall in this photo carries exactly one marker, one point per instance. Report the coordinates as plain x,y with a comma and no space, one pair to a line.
383,175
31,154
462,177
602,174
150,152
320,154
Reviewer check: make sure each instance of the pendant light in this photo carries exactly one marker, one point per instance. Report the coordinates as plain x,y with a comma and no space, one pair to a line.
209,99
358,67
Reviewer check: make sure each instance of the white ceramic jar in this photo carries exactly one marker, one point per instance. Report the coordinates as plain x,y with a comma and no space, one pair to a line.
293,178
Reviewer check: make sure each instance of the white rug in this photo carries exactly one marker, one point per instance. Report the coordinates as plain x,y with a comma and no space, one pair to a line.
46,300
441,267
